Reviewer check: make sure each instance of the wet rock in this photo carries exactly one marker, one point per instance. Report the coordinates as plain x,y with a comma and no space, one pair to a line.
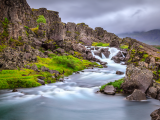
14,90
109,89
98,53
61,79
103,63
155,115
77,72
106,54
137,78
41,81
137,95
119,73
97,48
116,59
152,92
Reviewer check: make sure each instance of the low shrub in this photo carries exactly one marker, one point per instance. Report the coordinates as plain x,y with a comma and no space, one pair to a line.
117,84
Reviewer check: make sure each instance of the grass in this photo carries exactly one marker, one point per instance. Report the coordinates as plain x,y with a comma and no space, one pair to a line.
2,47
124,46
68,64
144,57
18,79
100,44
116,84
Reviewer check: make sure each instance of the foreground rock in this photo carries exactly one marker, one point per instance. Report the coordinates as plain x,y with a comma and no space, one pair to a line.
155,115
109,89
137,95
137,78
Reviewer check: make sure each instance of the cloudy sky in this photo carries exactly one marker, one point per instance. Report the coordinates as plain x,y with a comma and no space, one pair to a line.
116,16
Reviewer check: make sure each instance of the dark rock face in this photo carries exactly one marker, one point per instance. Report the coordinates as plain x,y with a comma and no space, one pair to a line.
137,95
14,90
155,115
109,89
137,78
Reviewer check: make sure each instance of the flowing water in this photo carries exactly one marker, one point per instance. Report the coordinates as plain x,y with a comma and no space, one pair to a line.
76,99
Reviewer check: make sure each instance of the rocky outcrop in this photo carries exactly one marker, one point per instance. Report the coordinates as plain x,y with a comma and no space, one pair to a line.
137,78
137,95
109,89
155,115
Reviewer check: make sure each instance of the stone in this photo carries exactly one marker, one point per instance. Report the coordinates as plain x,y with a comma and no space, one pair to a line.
109,89
137,95
41,81
152,92
98,53
137,78
155,115
119,73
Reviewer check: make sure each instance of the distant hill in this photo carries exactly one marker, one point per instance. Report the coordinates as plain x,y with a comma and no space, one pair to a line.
151,37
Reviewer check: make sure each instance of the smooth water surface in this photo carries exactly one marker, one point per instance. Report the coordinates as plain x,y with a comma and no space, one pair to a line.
75,99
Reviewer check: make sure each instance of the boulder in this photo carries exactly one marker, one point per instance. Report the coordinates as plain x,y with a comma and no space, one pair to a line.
137,78
114,43
60,50
119,73
116,59
106,54
109,89
98,53
41,81
152,92
155,115
137,95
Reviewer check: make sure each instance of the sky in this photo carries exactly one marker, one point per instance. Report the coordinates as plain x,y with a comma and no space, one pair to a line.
115,16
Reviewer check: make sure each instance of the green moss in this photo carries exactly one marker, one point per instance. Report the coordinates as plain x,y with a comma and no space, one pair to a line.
68,64
77,33
35,30
117,84
5,34
20,38
14,42
144,57
100,44
141,46
18,79
68,32
2,47
26,27
41,19
124,46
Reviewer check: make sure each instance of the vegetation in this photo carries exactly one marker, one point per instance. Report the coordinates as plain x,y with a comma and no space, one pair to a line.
35,30
100,44
144,57
26,27
4,35
117,84
18,78
124,46
2,47
67,64
41,19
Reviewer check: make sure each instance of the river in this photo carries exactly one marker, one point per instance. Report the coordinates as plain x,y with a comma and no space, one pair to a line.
76,99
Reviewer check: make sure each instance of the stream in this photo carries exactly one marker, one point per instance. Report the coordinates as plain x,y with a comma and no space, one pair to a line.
76,98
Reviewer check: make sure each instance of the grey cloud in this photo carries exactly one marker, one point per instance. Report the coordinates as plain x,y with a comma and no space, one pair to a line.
115,16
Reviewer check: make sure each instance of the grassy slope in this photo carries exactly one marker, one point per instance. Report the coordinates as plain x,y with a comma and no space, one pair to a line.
28,78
